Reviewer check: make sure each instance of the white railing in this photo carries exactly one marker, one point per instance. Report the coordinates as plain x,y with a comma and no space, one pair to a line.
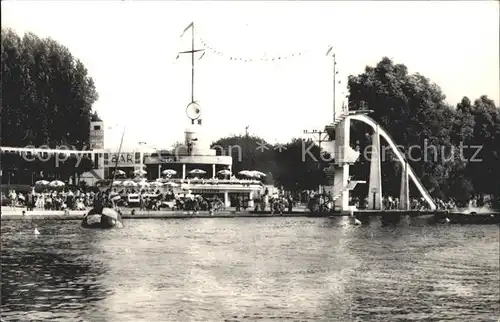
49,151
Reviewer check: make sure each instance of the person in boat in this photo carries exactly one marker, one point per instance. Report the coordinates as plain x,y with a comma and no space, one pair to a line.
98,205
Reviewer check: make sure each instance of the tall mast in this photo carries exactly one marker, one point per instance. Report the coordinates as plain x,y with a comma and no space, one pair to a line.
330,50
192,63
192,51
334,72
117,160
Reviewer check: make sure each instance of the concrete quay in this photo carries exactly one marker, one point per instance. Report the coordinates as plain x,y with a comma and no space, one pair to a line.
431,217
362,215
17,214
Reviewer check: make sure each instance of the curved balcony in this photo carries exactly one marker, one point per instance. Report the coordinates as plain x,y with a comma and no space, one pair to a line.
190,159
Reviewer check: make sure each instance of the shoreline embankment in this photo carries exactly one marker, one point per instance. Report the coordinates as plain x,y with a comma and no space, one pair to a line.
362,215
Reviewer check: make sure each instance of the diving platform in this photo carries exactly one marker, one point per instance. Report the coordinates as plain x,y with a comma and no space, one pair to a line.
343,116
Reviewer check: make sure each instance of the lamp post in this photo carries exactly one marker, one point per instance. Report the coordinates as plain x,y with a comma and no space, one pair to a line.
246,141
335,72
141,152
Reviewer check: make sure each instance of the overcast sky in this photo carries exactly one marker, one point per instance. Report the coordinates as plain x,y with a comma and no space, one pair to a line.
130,50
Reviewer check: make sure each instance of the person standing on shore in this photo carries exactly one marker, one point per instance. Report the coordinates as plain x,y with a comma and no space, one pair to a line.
290,203
13,198
141,201
30,199
238,203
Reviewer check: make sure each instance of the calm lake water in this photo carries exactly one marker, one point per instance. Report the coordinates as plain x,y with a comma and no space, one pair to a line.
250,269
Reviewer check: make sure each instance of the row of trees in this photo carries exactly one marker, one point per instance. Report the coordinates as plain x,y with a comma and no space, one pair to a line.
414,111
283,164
47,98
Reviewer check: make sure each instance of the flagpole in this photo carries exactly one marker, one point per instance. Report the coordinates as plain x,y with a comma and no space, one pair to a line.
117,160
192,51
334,72
192,63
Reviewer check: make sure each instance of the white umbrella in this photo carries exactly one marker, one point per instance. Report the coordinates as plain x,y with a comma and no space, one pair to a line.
120,172
258,174
246,173
197,171
129,183
171,184
42,182
224,172
57,183
169,172
117,183
140,172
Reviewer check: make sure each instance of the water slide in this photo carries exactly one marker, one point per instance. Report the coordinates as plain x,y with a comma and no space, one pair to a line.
368,120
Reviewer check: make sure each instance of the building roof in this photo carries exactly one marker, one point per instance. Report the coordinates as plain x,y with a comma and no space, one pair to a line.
95,118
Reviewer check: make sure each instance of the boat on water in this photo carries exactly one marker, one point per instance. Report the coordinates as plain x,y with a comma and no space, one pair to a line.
107,218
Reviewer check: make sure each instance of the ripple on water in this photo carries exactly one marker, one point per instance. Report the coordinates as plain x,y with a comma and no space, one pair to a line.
249,269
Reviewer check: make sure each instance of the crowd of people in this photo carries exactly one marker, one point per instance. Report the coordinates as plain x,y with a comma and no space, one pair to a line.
417,204
277,202
84,199
388,202
151,199
52,200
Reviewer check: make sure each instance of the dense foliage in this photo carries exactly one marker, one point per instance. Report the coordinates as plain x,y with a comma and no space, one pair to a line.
415,113
47,97
285,165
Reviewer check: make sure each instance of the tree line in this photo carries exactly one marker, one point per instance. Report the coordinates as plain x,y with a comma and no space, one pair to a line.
47,98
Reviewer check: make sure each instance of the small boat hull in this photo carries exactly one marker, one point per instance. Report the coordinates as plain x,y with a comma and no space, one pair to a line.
96,220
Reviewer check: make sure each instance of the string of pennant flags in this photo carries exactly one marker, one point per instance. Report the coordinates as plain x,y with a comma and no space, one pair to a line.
265,57
233,57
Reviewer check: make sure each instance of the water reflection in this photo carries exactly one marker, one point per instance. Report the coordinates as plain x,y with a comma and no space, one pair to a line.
284,269
54,271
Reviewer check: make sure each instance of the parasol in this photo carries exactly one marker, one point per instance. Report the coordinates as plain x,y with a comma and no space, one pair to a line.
129,183
42,182
224,172
57,183
246,173
143,184
197,171
140,172
258,174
